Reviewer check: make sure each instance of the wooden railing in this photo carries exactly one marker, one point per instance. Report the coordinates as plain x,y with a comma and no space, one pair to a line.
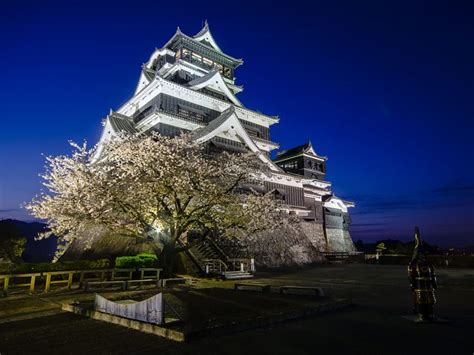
68,277
31,284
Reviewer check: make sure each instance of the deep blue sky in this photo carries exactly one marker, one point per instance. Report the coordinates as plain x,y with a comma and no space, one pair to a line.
385,89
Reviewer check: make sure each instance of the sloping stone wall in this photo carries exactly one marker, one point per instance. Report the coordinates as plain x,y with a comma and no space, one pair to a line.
339,240
288,247
315,234
96,243
284,247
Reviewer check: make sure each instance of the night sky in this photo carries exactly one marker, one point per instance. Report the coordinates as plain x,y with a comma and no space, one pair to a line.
384,89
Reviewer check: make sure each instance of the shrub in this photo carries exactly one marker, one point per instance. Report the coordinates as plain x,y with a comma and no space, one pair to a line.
137,261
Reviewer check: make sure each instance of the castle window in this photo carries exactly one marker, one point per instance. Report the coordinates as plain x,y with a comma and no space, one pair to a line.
196,57
292,165
253,133
190,112
207,62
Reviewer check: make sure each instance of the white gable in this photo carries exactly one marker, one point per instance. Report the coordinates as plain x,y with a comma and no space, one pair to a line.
231,128
216,82
205,35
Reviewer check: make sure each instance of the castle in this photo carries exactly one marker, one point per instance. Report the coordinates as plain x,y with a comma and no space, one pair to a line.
188,85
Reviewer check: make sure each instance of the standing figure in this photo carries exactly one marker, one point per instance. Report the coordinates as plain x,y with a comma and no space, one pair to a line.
422,281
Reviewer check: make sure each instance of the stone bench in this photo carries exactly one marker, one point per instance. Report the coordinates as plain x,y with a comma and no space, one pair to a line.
90,284
300,290
179,280
252,287
140,282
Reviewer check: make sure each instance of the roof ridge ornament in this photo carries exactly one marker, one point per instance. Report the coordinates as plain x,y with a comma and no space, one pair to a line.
205,28
205,35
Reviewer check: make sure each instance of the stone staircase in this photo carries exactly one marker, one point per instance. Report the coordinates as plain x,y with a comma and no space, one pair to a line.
209,259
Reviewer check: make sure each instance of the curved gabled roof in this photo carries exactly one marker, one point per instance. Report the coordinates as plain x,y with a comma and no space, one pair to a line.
229,124
214,80
178,34
121,123
306,148
334,202
205,36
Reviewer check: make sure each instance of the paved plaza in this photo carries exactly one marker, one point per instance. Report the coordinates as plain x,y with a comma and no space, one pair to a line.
373,326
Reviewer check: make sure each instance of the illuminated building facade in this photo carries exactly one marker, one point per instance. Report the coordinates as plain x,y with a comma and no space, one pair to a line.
189,85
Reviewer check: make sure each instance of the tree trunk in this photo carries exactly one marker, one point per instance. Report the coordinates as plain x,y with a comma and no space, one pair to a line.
167,259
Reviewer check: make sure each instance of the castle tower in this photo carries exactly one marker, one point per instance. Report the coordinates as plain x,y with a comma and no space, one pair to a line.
189,85
331,212
302,160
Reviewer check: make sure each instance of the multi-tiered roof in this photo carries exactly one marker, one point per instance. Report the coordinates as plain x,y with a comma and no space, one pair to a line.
188,85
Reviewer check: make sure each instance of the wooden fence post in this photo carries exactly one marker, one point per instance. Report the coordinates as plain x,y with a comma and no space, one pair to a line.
81,279
48,283
32,283
69,280
5,285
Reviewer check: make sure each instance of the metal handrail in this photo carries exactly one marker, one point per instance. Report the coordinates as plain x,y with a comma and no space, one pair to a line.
239,263
214,265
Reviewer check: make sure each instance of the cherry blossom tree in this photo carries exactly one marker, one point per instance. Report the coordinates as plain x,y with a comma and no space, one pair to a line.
156,189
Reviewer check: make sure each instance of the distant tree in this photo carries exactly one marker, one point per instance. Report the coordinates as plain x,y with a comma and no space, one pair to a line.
359,245
156,189
381,246
12,243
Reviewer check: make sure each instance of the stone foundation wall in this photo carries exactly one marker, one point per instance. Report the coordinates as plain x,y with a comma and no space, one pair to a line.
96,243
349,242
339,240
288,247
315,234
285,247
